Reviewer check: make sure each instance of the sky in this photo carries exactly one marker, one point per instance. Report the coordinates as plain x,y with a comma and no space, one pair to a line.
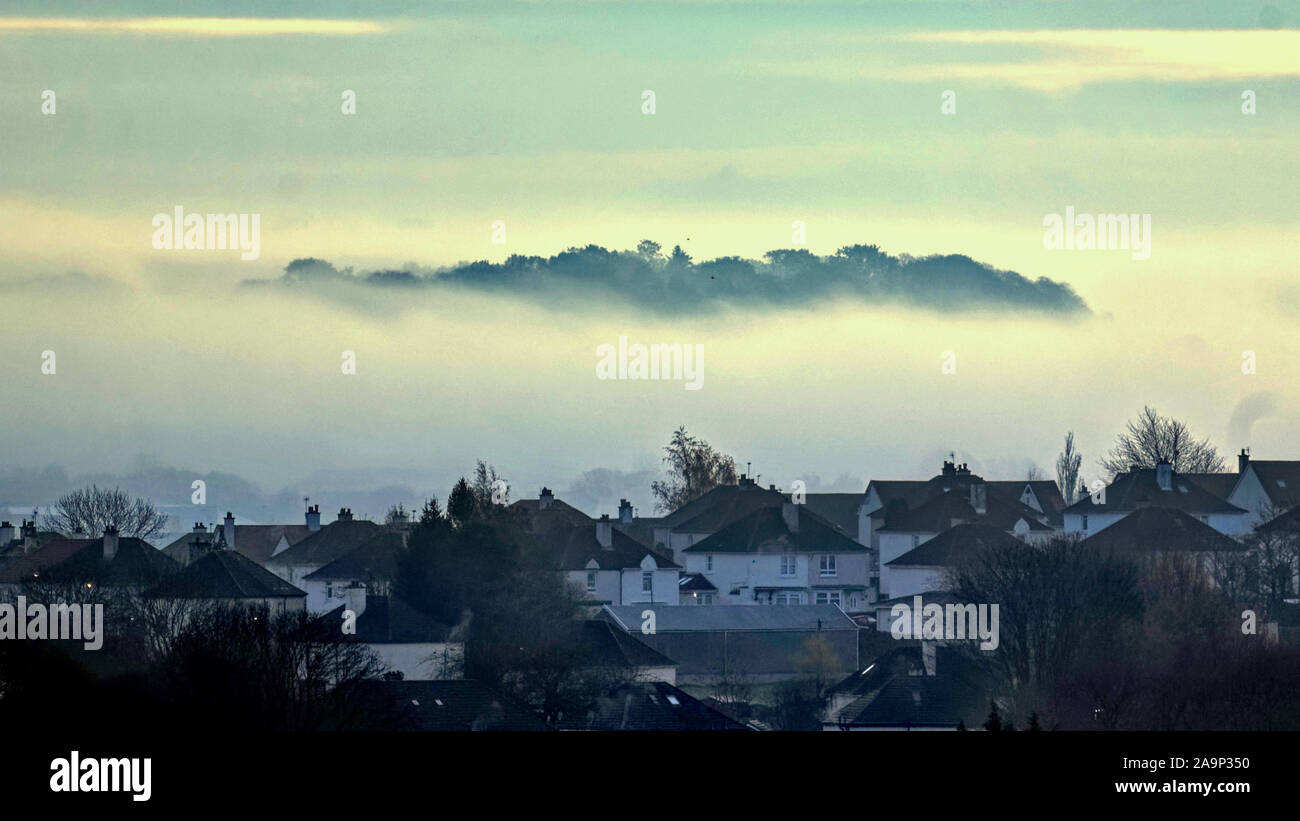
490,129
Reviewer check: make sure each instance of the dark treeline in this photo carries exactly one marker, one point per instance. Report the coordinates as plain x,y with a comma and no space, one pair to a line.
674,283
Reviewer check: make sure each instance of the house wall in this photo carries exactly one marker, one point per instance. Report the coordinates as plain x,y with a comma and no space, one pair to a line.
624,586
908,581
1096,522
749,571
663,583
893,545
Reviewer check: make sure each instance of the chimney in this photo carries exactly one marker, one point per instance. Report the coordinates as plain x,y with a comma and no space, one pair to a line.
110,543
345,514
928,657
979,498
949,468
198,546
624,511
1164,475
605,532
6,534
228,531
545,498
745,481
313,518
790,512
1243,459
29,537
199,528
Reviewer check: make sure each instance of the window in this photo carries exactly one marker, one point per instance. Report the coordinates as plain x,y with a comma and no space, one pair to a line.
708,564
1085,521
787,565
591,581
647,582
703,598
828,565
828,597
787,598
916,540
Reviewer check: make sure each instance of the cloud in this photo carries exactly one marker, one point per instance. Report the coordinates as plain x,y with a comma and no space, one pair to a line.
1058,60
673,284
194,26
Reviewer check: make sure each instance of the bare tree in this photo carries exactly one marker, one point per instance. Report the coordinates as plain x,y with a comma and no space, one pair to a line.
489,488
1152,438
1067,469
694,468
91,510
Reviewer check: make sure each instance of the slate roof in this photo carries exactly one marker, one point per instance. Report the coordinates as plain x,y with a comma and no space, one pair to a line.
1162,529
695,582
728,508
574,546
1281,481
695,618
254,541
937,514
937,701
136,563
898,497
1219,484
946,548
765,531
718,495
327,544
1045,491
895,692
21,566
601,644
1288,522
531,514
1140,488
650,706
453,706
840,509
390,620
374,560
225,574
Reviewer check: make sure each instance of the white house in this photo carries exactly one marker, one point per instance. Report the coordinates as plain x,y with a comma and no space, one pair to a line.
783,555
1153,487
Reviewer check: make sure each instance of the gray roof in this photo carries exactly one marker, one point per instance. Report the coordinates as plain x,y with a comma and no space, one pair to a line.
696,618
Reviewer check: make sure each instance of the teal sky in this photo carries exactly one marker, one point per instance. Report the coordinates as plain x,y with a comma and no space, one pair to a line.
530,113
